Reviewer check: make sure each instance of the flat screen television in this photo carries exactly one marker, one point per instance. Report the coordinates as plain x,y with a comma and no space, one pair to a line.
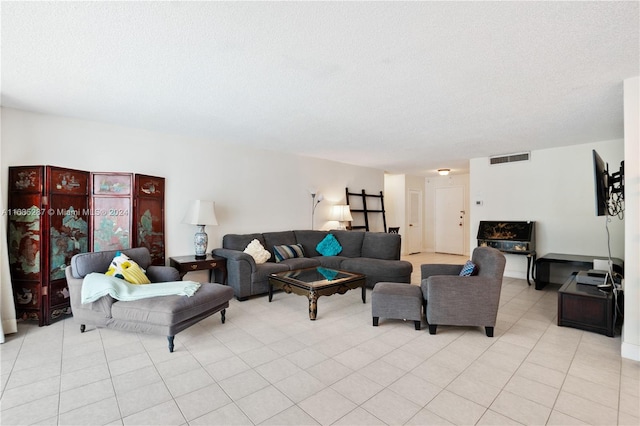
601,184
609,189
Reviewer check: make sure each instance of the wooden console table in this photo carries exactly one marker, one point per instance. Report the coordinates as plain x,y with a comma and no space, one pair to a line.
578,262
586,307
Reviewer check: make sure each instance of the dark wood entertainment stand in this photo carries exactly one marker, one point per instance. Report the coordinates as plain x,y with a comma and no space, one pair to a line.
586,307
577,262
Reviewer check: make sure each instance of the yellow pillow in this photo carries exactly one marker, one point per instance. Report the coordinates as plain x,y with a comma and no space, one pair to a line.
124,268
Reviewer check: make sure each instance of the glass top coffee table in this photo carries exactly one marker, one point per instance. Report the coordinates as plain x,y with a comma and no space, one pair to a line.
316,282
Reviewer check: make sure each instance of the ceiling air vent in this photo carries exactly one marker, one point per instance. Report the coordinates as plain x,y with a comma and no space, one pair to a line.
509,158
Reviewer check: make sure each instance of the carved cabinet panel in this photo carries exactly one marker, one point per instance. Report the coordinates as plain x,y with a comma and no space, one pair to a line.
55,213
48,224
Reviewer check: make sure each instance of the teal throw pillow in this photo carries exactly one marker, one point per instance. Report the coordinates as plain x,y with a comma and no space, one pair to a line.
329,246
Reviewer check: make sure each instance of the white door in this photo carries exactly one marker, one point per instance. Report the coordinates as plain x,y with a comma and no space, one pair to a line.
414,233
450,220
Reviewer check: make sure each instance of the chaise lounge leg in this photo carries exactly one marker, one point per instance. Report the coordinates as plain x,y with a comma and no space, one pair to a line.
375,321
170,339
489,331
417,324
82,328
223,312
432,328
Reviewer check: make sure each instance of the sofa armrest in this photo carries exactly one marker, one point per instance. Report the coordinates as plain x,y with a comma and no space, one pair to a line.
235,255
431,269
240,270
95,313
162,274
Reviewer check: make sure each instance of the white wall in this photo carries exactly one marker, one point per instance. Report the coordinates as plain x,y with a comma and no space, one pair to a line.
254,191
555,189
431,184
631,327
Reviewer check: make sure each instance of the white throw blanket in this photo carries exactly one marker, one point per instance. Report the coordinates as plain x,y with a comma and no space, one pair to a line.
96,285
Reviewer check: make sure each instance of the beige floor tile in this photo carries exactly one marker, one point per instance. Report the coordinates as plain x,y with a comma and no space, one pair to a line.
32,412
491,418
135,379
277,370
99,413
228,415
316,406
21,395
188,382
532,390
166,413
391,407
243,384
359,417
456,409
558,418
292,416
202,401
427,417
264,404
227,368
541,374
415,389
84,395
591,391
142,398
585,410
357,388
300,386
520,409
382,372
85,376
329,371
474,390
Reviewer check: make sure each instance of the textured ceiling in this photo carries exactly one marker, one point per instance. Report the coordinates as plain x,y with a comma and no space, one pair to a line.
407,87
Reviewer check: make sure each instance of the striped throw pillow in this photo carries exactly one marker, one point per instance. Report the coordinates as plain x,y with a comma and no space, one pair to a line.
287,252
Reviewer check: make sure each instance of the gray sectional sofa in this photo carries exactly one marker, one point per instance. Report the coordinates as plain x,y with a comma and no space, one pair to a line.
374,254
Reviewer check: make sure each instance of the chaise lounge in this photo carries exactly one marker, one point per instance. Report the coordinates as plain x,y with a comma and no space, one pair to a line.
166,315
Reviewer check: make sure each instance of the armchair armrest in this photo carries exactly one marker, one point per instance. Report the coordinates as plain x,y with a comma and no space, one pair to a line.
162,274
429,270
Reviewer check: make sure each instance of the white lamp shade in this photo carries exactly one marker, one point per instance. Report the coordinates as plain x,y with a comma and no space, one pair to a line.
200,213
341,213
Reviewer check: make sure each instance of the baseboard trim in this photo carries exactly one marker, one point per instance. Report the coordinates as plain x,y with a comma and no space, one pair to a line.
630,351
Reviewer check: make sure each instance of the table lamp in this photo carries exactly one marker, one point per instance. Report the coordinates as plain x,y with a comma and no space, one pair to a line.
341,213
201,213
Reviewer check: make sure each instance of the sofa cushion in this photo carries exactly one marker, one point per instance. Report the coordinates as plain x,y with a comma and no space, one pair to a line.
288,251
333,262
240,241
380,245
301,262
309,240
170,310
351,242
329,246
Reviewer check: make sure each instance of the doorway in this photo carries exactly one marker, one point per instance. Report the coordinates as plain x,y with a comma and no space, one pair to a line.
414,232
449,220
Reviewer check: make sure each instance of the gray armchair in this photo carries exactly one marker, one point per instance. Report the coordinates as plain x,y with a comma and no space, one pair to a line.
464,301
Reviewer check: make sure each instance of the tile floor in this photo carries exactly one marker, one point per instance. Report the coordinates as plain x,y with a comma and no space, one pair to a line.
270,365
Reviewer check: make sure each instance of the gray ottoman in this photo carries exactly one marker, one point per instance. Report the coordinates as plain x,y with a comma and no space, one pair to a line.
398,301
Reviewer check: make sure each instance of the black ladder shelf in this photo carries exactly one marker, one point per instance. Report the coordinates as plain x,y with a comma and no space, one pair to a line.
365,211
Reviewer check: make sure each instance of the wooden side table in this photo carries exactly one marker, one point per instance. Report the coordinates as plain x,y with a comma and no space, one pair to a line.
186,264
